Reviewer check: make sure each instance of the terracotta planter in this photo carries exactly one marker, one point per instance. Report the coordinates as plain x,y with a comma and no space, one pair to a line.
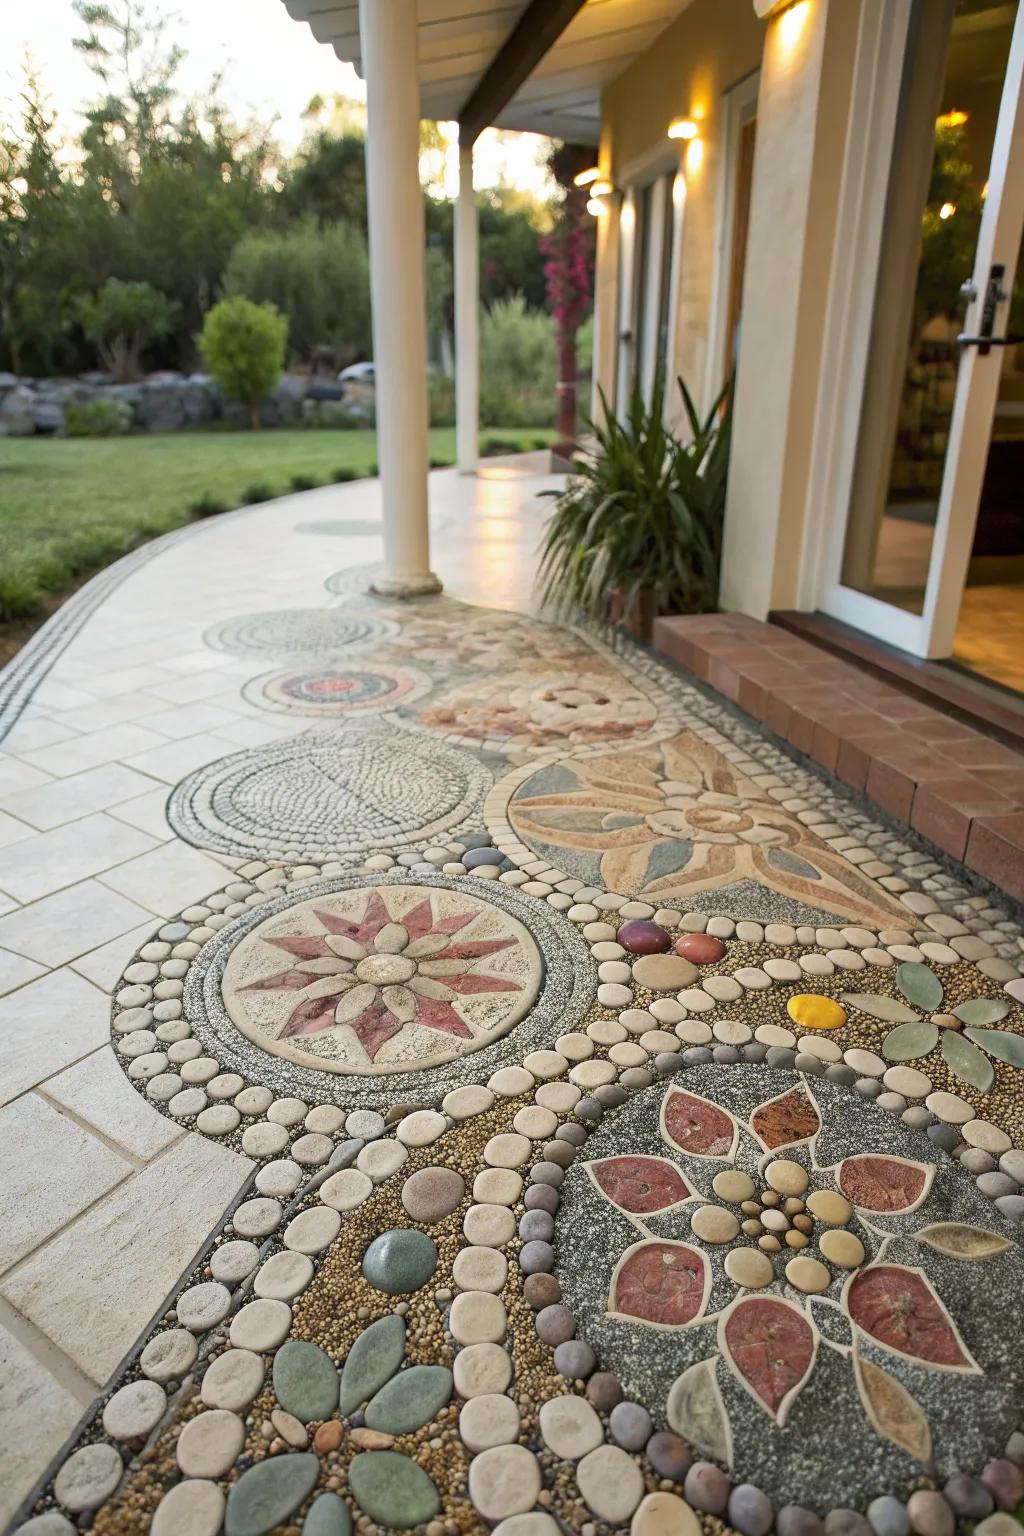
641,623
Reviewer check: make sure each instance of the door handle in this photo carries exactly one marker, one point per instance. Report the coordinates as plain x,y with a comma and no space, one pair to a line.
994,295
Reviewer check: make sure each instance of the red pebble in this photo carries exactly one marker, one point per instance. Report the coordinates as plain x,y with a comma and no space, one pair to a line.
700,948
643,937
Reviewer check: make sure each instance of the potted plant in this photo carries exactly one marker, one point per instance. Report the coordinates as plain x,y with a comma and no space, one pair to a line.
638,530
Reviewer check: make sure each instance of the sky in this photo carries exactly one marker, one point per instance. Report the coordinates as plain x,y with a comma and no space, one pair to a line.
270,67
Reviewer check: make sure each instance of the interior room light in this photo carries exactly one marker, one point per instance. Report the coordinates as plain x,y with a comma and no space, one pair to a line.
953,119
586,177
947,210
594,206
601,189
683,128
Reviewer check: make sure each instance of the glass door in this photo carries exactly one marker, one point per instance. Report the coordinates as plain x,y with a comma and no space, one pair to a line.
941,428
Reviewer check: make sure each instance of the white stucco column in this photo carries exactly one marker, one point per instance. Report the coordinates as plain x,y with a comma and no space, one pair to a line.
467,317
395,206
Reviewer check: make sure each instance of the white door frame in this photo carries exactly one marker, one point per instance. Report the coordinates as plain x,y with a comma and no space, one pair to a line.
647,171
739,105
873,111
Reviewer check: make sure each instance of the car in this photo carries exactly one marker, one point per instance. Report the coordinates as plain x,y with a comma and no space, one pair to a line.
359,383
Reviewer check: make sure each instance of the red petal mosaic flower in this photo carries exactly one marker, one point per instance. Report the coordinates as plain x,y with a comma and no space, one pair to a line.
640,1185
376,974
897,1308
697,1126
661,1283
784,1121
771,1346
884,1184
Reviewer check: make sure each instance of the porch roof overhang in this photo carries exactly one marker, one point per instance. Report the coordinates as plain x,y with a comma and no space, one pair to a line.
538,66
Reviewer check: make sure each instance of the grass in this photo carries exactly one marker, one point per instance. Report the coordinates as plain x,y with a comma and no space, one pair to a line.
70,506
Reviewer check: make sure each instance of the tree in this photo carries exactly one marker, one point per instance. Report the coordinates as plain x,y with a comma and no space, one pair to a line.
569,272
318,278
122,320
242,344
328,181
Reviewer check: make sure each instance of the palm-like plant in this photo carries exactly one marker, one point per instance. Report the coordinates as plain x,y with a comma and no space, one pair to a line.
639,526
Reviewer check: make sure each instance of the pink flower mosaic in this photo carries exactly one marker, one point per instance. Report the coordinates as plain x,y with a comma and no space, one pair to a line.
834,1253
380,980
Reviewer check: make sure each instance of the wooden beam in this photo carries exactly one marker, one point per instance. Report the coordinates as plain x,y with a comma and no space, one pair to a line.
536,31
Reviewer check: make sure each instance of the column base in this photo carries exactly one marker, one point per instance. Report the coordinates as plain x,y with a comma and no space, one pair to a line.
401,587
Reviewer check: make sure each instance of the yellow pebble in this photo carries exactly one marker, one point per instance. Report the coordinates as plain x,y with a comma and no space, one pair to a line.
786,1176
732,1185
830,1206
812,1011
842,1248
808,1275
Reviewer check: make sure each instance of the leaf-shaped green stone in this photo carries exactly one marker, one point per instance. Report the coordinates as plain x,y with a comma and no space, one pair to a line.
908,1041
966,1061
410,1399
919,984
373,1359
982,1010
877,1006
265,1495
1000,1044
392,1490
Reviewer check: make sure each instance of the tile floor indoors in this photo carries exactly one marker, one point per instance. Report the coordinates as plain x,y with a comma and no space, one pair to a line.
441,996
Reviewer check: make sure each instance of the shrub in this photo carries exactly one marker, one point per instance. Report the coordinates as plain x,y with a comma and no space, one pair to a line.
318,278
206,506
242,344
343,474
304,482
122,320
21,597
335,416
441,400
517,366
254,494
491,447
98,418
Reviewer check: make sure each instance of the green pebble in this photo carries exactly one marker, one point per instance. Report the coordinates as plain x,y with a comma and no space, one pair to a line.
269,1492
909,1041
410,1399
392,1490
919,984
966,1061
400,1261
305,1381
328,1516
373,1359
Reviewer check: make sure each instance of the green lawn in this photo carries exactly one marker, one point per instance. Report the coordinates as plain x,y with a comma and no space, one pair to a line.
70,506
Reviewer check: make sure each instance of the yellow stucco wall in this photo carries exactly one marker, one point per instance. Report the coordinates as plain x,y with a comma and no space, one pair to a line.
708,49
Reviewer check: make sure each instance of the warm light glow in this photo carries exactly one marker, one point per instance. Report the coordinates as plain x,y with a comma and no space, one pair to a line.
586,177
678,190
627,217
694,156
947,210
791,24
594,206
953,119
683,128
602,189
984,191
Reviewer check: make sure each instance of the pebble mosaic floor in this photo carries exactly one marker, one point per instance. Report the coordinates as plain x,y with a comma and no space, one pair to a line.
637,1124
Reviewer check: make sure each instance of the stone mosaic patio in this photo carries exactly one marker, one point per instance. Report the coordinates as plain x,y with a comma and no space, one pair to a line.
629,1119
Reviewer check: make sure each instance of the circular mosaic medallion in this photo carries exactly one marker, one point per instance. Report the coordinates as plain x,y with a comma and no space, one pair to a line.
344,990
537,708
295,632
334,688
326,796
824,1272
381,980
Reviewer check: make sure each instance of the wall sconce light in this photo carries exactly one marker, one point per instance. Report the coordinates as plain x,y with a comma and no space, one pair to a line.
586,177
683,128
594,206
947,210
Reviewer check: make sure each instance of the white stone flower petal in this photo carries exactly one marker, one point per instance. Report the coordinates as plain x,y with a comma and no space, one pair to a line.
348,949
329,986
353,1003
392,939
425,987
326,967
400,1002
428,944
